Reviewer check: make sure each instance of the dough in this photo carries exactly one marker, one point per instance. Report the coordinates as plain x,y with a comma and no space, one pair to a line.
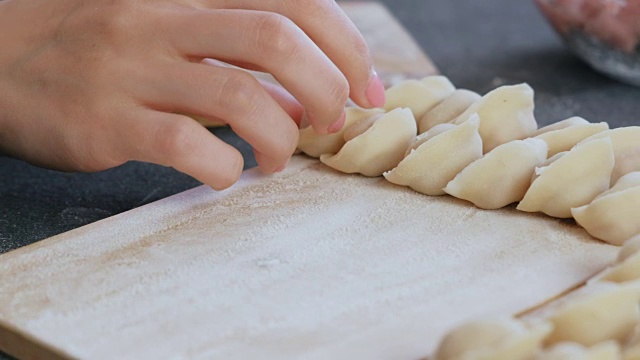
631,349
627,266
598,312
564,139
379,148
626,147
418,95
499,339
447,110
563,124
502,176
573,180
437,161
506,114
426,136
607,350
614,216
314,144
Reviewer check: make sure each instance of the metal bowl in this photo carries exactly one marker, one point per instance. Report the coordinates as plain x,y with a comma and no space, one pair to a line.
603,33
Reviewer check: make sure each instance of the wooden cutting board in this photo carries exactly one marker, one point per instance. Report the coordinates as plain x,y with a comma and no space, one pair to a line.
308,263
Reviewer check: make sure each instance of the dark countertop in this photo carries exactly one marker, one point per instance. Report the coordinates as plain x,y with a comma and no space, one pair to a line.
479,45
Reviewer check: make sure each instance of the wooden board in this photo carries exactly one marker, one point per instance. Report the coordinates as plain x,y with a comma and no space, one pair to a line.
309,263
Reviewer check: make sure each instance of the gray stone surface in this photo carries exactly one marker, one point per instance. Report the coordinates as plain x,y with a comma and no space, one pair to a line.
478,44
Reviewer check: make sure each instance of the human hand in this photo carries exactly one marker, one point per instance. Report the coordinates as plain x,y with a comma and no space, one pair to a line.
96,83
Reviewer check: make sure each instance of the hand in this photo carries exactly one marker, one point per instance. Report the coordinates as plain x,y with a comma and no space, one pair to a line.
87,85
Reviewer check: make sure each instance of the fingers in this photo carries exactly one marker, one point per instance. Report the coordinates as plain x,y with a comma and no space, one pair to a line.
329,27
231,95
286,101
275,44
180,142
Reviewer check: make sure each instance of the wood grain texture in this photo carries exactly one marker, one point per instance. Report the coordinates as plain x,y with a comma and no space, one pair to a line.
309,263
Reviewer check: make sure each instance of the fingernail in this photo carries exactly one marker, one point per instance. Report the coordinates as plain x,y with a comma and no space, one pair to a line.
304,121
336,126
282,167
375,91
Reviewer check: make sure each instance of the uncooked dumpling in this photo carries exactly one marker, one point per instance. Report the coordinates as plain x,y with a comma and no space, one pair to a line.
626,147
447,110
426,136
598,312
572,180
608,350
506,114
631,348
379,148
613,216
433,164
564,139
499,339
627,266
418,95
314,144
502,176
563,124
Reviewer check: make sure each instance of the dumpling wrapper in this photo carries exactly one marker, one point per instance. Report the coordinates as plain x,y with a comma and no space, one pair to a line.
498,339
565,139
433,164
562,124
614,216
607,350
419,95
573,180
631,347
500,177
314,144
627,266
506,114
448,109
378,149
598,312
626,147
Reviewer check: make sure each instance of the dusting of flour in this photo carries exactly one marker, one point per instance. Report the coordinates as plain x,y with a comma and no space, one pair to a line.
309,263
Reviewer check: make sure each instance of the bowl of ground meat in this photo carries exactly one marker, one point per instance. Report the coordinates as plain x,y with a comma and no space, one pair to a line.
603,33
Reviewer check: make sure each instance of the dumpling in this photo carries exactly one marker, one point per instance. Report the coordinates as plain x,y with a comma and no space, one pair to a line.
314,144
631,348
572,180
502,176
506,114
424,137
562,124
614,216
564,139
437,161
447,110
379,148
626,149
498,339
627,266
598,312
607,350
419,95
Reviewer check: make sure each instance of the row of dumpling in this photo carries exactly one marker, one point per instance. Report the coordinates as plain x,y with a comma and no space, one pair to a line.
600,321
488,150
